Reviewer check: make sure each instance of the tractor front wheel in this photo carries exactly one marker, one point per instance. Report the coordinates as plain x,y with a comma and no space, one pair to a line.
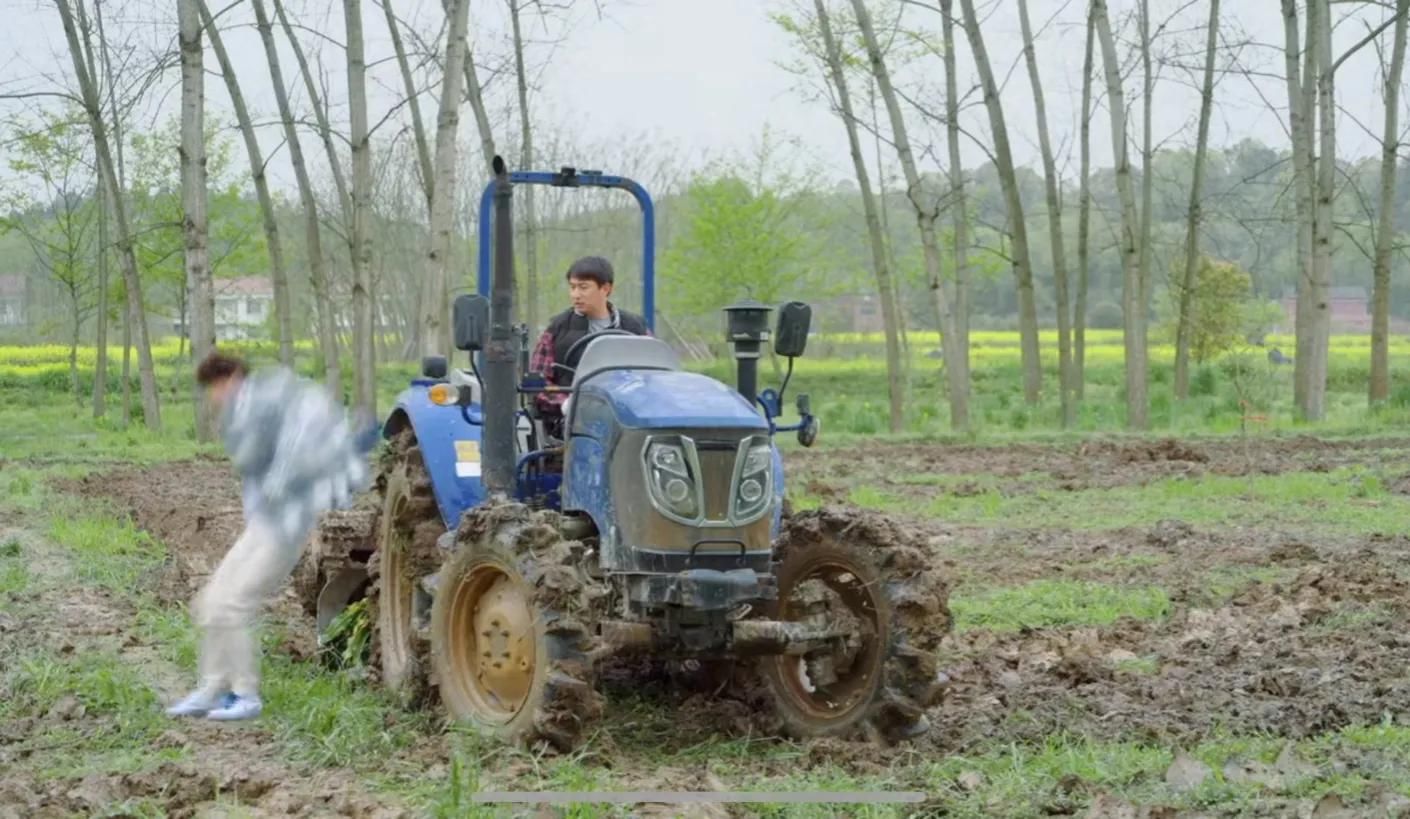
511,629
871,582
406,550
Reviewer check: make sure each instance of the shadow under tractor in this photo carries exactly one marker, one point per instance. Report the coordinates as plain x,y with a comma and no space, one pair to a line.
501,566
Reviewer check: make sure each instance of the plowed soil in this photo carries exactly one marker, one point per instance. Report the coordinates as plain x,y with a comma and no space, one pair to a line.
1307,636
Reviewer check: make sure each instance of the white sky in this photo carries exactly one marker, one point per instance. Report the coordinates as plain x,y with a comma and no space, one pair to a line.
705,75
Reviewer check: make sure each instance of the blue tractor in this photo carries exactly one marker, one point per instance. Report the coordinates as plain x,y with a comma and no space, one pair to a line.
505,565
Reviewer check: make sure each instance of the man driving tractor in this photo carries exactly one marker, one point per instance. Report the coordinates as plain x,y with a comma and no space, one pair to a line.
589,287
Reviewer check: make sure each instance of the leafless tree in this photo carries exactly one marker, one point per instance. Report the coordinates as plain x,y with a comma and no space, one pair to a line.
1187,285
833,57
1379,389
956,347
151,408
1132,288
1052,183
435,336
318,272
1084,211
1018,228
926,205
193,201
364,356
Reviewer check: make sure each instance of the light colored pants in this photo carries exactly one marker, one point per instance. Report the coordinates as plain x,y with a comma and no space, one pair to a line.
226,607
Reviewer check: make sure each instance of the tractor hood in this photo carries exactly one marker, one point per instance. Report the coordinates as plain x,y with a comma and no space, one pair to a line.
657,399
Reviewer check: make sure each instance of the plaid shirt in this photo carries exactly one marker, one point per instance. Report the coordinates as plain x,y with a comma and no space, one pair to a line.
542,361
298,453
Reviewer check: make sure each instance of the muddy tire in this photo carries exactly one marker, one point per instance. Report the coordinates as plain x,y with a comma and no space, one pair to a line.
877,579
408,525
512,629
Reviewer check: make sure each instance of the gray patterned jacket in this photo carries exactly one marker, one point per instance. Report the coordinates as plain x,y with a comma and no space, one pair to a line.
298,452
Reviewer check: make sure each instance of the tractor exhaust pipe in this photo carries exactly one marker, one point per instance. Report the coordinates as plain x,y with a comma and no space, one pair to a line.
747,328
500,388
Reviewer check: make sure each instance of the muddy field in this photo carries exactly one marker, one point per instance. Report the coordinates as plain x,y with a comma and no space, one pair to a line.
1257,630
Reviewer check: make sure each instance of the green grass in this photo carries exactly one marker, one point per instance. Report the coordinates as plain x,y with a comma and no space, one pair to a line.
1351,500
102,682
107,551
1054,603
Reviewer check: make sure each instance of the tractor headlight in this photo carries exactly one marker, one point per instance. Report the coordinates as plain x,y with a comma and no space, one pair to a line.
754,486
670,479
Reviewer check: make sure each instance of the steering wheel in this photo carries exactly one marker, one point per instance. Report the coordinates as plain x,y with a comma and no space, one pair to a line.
568,356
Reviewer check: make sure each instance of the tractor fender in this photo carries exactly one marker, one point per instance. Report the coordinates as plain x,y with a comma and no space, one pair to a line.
450,448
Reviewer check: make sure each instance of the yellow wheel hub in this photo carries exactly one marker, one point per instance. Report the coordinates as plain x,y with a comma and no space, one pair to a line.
499,635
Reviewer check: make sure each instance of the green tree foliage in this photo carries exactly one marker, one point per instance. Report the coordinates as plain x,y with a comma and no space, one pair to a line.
1221,308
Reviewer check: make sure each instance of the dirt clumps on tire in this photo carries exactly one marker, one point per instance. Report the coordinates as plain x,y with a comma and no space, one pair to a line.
516,547
912,605
408,525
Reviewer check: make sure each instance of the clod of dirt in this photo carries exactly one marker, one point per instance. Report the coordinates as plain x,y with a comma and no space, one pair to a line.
1106,806
1331,806
94,792
971,781
1186,773
67,708
1169,534
1294,551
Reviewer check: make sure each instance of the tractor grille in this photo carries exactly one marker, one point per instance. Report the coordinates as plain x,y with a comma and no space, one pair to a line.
717,475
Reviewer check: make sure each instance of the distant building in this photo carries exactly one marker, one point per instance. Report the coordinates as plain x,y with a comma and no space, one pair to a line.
12,299
242,306
1350,308
854,313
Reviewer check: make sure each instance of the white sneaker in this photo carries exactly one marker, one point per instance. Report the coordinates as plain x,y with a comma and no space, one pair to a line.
196,704
235,707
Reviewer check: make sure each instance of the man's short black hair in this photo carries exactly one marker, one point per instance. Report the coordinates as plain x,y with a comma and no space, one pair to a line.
593,268
217,366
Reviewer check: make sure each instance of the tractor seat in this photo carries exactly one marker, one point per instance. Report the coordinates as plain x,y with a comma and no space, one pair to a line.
625,353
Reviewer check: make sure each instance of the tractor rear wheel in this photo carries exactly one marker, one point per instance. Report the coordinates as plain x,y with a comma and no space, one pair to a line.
512,629
861,574
408,527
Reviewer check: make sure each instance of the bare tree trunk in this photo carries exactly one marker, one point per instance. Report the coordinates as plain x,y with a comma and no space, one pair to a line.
126,366
878,247
1187,284
1147,189
364,354
1050,176
418,125
1319,310
1301,108
1022,262
283,309
73,347
1084,210
435,297
193,202
927,211
1390,141
476,98
956,347
320,113
151,409
1133,315
526,160
318,274
100,369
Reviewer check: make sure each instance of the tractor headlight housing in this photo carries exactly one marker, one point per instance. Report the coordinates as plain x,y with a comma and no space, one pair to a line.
671,480
754,480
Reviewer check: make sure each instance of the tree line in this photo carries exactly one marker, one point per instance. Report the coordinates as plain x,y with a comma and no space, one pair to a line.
379,229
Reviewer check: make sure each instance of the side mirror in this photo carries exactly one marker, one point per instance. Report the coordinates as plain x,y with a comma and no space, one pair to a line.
434,366
470,320
794,318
